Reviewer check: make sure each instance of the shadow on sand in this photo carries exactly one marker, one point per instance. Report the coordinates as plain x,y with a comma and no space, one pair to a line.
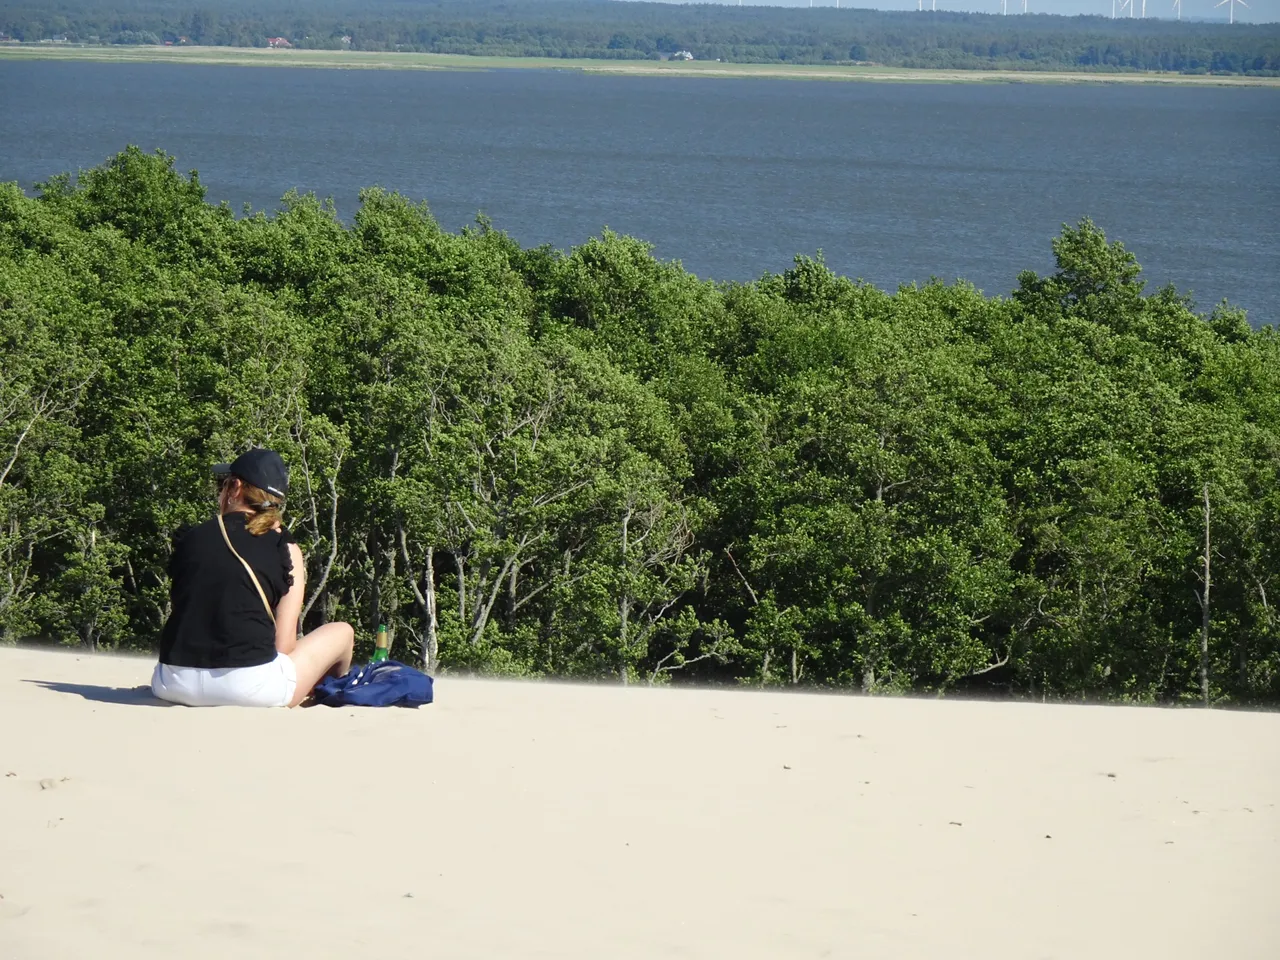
137,696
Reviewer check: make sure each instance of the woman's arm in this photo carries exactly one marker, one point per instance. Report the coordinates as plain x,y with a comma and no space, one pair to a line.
290,606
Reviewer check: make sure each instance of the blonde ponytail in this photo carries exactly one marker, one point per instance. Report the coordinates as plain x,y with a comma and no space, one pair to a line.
264,520
267,511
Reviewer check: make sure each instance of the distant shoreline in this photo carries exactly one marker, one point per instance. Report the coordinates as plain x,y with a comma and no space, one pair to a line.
361,60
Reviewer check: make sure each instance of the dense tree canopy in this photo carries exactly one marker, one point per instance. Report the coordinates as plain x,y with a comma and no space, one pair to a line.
592,464
599,29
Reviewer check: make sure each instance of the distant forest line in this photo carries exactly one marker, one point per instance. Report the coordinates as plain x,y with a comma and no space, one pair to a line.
635,31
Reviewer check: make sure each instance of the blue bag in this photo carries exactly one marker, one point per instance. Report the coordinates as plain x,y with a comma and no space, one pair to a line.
389,683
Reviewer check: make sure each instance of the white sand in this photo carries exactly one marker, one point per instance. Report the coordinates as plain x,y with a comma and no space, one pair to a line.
524,820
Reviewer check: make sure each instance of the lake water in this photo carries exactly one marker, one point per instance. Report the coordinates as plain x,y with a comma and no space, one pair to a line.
893,182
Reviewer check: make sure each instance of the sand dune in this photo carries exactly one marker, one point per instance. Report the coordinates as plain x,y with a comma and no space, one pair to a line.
529,820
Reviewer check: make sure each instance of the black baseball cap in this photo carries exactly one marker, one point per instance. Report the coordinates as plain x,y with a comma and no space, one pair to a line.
261,467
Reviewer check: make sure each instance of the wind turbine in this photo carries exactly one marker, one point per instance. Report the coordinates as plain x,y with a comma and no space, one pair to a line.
1177,5
1231,7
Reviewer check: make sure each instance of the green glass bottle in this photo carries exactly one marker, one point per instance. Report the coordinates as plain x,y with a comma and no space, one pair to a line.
381,646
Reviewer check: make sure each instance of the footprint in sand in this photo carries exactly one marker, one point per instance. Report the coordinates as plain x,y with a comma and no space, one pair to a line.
11,911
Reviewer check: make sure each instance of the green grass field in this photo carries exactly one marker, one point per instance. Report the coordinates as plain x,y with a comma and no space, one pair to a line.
354,60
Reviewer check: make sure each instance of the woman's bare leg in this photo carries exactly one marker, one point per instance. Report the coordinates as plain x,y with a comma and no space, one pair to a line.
325,651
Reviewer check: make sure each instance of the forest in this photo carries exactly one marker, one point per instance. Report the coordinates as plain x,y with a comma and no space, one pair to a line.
602,29
592,464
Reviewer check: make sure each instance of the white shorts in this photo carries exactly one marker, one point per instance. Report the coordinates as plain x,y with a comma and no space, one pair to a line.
270,685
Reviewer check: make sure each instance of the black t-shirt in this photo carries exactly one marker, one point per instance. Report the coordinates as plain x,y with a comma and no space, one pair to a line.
217,618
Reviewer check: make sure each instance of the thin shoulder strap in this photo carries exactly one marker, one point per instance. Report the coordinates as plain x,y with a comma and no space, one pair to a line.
252,576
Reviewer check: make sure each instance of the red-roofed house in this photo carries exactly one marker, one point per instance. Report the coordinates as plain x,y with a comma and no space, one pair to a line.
278,42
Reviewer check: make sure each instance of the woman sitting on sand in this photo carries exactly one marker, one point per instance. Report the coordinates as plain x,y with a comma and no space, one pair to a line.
230,640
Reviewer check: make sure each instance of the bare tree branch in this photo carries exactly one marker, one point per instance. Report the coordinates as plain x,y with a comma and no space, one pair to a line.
754,598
